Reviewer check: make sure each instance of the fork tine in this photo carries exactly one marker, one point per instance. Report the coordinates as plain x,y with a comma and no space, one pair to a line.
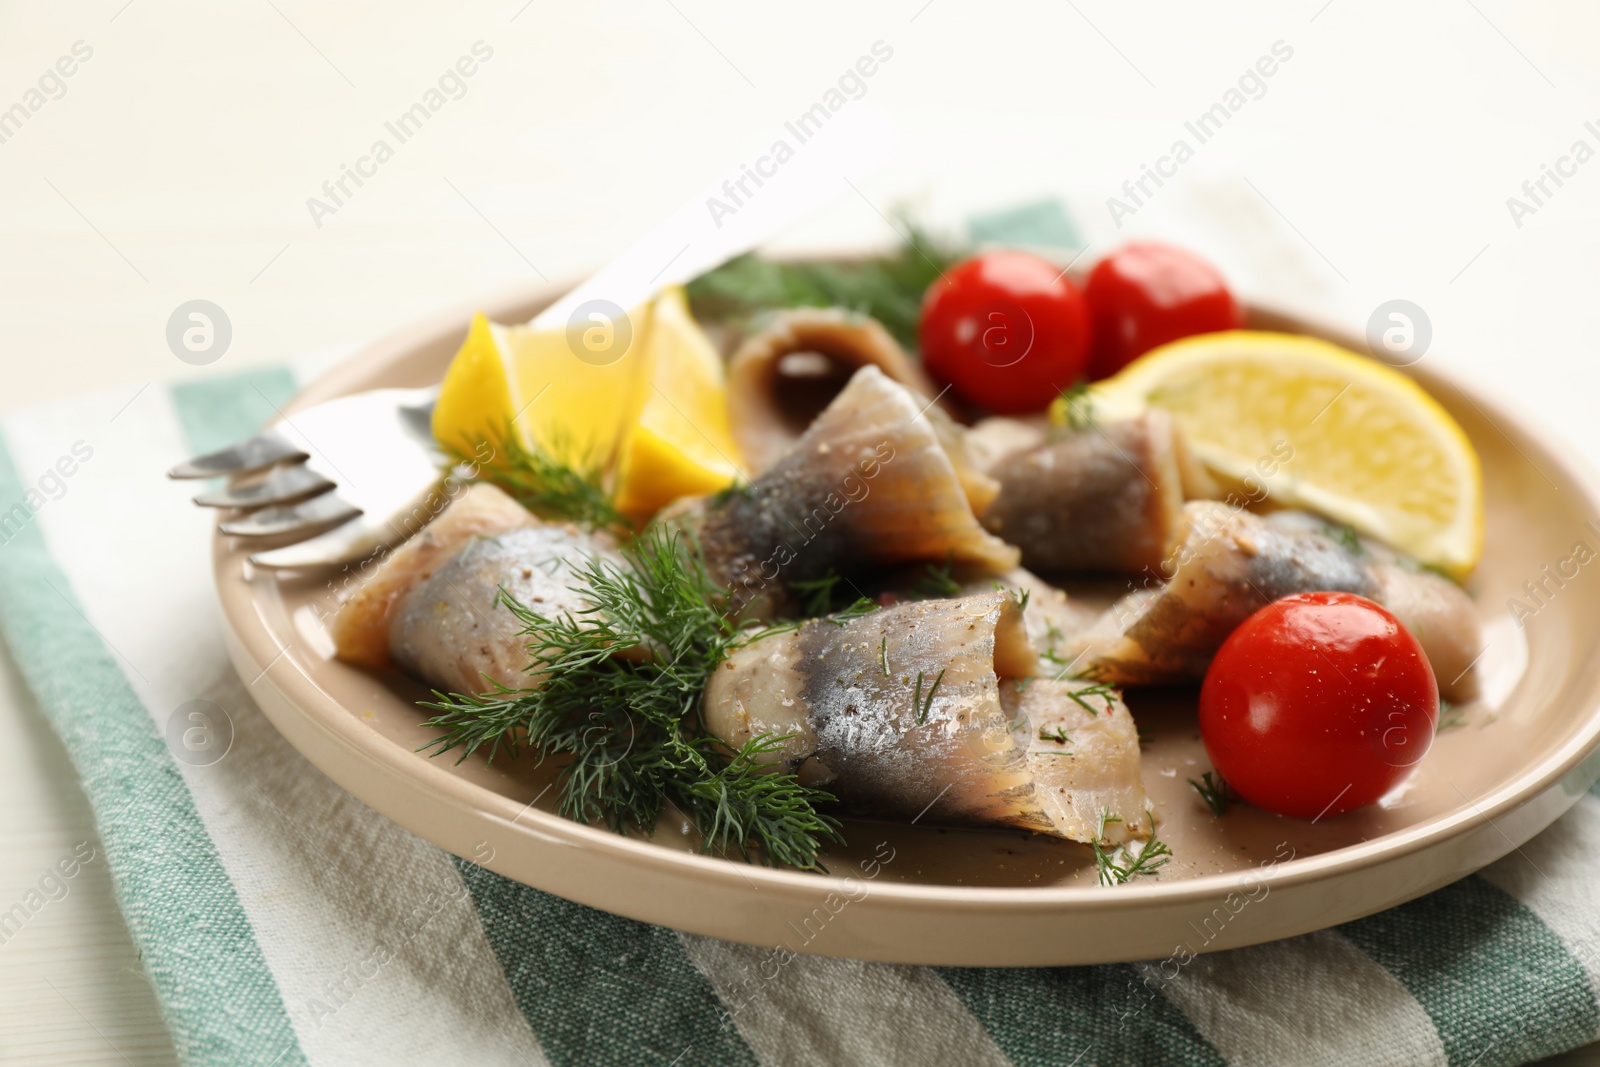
281,486
255,454
308,517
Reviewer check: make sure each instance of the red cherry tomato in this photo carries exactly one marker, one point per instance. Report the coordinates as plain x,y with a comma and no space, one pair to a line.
1145,294
1007,330
1318,704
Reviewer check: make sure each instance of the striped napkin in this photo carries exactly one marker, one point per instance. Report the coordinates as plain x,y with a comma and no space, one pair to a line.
282,922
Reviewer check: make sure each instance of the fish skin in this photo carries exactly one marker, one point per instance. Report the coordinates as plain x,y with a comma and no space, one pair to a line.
862,735
1227,563
868,486
454,631
756,403
360,628
1100,500
433,609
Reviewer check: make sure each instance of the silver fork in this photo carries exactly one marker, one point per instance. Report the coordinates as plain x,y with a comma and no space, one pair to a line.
377,446
331,484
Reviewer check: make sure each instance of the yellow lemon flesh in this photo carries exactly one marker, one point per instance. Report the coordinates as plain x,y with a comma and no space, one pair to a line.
570,394
680,443
1318,427
643,400
475,400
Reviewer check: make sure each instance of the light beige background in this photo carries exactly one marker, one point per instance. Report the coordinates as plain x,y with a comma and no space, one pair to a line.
178,163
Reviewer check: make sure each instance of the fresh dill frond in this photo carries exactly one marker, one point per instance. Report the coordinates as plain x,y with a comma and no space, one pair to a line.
1018,596
538,481
887,287
1078,406
883,654
1348,539
1155,855
937,583
923,706
824,597
1105,692
626,727
743,806
1450,717
1213,791
1152,857
1092,673
1059,734
861,606
1021,684
932,690
737,488
817,593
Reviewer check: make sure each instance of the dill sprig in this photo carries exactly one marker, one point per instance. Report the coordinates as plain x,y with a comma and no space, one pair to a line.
1152,857
1105,692
861,606
1213,791
1020,597
923,706
1060,734
539,482
887,287
937,583
1347,538
824,598
625,727
817,593
1078,407
737,488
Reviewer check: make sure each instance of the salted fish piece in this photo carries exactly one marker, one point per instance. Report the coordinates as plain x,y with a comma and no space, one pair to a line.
1053,617
433,608
453,631
360,628
768,410
1227,563
1105,499
1436,610
868,486
1083,755
907,743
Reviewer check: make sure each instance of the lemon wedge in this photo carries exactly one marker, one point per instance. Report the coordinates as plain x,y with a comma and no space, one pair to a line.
680,443
568,393
475,400
1316,426
644,402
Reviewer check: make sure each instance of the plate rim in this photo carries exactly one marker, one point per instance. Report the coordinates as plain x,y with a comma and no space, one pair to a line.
250,637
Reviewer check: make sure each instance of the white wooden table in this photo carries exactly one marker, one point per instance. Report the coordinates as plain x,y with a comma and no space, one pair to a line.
177,160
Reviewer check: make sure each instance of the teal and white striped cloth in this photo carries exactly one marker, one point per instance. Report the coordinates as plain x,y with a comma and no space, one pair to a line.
282,922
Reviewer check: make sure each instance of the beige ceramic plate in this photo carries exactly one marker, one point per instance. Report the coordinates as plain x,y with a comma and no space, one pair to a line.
923,894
